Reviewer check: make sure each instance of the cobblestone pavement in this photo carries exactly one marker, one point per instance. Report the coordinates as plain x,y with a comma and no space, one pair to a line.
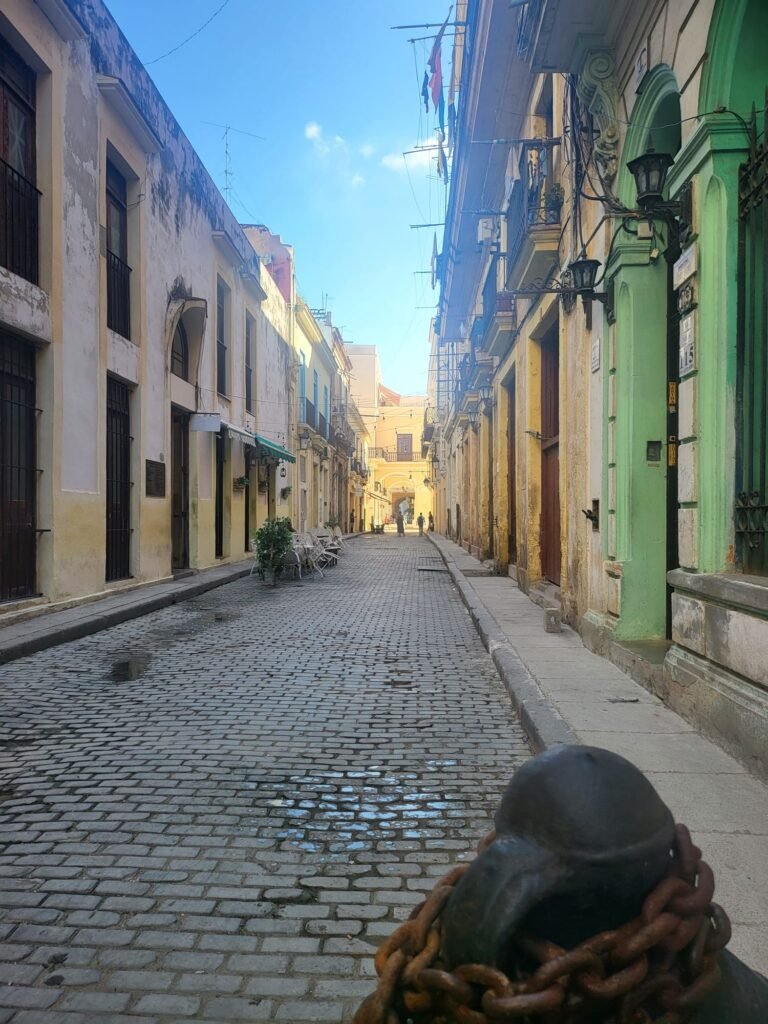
216,812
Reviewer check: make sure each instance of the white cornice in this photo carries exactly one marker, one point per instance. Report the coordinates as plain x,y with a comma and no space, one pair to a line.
120,100
63,20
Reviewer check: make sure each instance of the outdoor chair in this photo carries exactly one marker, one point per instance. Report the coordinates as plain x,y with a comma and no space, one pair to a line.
292,563
338,536
311,553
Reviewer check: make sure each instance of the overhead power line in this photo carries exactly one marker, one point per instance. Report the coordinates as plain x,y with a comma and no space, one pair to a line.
189,39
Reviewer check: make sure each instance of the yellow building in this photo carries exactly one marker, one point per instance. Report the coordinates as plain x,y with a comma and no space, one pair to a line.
400,478
131,328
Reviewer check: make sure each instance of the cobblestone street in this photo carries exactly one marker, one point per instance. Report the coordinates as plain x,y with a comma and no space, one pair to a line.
217,811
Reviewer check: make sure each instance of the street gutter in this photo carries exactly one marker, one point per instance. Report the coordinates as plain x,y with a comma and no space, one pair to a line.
51,628
542,723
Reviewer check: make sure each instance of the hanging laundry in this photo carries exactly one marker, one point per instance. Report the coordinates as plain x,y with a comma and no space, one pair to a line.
425,92
434,261
436,67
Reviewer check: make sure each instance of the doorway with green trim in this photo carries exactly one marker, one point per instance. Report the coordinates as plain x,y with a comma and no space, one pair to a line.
641,400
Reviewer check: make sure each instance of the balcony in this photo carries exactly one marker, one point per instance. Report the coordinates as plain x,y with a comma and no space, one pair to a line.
547,30
118,295
391,455
533,220
19,200
499,313
308,414
322,425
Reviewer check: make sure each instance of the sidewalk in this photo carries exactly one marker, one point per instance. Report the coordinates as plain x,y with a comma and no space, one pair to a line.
565,694
48,629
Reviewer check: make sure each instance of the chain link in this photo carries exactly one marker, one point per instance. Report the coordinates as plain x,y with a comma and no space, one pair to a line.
655,969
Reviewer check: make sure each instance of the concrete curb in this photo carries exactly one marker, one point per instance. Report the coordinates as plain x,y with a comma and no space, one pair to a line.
541,721
40,638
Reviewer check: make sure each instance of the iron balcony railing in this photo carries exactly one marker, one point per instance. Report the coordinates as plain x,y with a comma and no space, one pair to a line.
527,26
391,455
536,200
310,416
322,425
118,295
19,202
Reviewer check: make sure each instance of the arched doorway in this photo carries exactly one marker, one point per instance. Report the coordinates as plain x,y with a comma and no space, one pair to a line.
641,403
733,512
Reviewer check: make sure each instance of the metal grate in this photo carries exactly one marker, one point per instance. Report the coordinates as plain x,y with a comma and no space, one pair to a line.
18,475
751,510
19,201
118,481
118,295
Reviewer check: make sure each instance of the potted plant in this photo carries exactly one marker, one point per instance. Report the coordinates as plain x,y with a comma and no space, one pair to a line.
553,202
285,493
332,523
240,483
272,542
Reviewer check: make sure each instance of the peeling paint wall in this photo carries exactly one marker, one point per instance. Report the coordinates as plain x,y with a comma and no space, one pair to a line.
181,238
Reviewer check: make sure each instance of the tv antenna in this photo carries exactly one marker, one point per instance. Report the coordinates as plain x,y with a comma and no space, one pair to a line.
227,156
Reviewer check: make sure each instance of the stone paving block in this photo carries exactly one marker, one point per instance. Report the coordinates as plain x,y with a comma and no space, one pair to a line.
260,822
167,1004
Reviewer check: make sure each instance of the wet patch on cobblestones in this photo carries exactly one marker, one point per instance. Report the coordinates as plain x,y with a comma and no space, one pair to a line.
229,833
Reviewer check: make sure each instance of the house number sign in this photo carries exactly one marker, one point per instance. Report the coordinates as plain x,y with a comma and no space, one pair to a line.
687,345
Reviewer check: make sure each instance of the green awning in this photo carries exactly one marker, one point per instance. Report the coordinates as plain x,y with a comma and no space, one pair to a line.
273,450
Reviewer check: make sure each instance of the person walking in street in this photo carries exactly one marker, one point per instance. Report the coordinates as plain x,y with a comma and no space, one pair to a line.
420,522
400,524
431,525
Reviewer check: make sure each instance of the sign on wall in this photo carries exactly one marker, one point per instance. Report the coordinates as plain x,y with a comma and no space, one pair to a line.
595,355
687,345
155,480
684,268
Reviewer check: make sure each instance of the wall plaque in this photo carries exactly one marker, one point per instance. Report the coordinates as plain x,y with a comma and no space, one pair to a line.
155,482
595,355
687,345
685,267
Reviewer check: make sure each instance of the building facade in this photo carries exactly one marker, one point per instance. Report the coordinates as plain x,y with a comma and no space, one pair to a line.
400,476
604,438
152,395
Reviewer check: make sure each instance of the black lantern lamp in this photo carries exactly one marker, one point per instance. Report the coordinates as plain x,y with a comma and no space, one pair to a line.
650,174
304,439
584,275
486,391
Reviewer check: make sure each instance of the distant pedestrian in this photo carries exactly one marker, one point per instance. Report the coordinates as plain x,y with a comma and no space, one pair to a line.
352,521
400,524
421,522
431,526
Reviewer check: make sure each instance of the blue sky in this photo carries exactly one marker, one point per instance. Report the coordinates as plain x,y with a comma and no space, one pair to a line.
335,95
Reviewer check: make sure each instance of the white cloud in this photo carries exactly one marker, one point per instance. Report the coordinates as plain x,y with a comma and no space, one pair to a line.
367,150
313,130
357,179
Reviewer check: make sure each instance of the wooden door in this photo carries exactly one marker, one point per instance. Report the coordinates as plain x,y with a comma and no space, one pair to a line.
550,457
179,489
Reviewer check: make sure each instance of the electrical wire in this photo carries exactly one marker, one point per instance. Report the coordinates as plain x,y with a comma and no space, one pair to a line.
189,39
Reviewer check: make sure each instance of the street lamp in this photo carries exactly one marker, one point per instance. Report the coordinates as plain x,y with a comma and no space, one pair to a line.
650,173
304,439
486,390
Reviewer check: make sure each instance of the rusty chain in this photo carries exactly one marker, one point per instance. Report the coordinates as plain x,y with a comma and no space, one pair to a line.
656,969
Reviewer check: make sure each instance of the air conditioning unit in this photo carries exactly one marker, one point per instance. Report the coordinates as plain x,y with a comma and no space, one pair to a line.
485,230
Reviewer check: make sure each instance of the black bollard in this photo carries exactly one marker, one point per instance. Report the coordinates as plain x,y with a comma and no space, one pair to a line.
582,841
